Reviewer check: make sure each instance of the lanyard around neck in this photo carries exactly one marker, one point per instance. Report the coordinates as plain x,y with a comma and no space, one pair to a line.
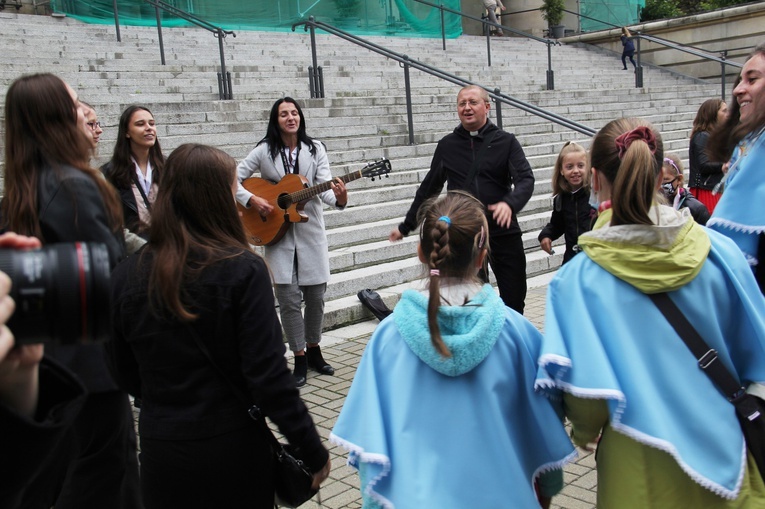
290,166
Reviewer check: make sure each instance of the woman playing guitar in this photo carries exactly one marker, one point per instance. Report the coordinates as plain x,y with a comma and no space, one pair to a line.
299,262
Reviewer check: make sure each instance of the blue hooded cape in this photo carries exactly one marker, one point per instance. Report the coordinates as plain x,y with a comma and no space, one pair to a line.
465,431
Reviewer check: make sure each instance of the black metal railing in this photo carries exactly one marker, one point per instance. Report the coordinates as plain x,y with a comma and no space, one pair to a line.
722,59
225,91
487,31
407,63
16,4
638,36
224,77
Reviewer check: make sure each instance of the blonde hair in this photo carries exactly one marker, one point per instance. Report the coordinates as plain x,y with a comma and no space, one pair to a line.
633,173
454,233
559,182
677,169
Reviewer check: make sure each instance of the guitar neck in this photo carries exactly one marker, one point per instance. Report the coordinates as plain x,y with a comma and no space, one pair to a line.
310,192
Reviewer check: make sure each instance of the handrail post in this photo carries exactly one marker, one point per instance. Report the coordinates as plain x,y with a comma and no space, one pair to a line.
315,76
409,118
550,72
499,108
443,25
116,20
723,56
639,68
159,32
487,29
224,76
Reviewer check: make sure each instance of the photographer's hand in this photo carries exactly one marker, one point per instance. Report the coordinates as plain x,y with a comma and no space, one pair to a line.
18,366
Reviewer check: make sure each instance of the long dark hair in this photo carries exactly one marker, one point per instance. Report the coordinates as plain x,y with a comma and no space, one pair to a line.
633,175
706,117
194,223
727,135
122,168
273,135
450,247
42,134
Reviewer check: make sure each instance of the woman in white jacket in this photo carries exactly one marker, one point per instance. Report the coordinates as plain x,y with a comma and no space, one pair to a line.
299,262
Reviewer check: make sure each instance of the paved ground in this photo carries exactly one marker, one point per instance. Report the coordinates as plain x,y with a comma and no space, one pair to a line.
325,395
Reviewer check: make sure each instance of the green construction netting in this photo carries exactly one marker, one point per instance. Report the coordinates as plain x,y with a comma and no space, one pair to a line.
608,13
362,17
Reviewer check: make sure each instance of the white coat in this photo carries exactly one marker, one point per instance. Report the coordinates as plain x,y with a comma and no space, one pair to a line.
305,241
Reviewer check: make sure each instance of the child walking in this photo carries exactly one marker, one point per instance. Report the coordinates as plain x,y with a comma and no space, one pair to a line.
442,411
676,194
572,214
628,50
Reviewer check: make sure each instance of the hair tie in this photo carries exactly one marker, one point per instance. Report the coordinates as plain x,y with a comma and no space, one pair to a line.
482,238
446,220
643,133
670,162
434,272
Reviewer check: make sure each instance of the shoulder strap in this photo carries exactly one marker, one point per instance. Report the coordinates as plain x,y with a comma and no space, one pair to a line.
140,190
474,168
252,409
707,357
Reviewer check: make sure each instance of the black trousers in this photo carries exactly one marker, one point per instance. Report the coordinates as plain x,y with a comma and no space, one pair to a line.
96,466
508,262
232,471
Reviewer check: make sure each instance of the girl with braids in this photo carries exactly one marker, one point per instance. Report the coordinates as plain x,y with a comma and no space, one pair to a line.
667,437
442,411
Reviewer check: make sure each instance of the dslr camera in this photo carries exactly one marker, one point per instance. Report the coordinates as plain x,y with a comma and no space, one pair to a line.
61,293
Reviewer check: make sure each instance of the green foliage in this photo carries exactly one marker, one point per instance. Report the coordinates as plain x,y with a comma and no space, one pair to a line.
711,5
552,11
660,9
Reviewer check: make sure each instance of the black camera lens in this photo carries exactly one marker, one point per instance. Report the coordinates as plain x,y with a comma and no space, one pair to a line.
61,293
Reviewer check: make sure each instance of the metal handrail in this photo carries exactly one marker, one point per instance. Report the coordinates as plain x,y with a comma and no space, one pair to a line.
722,59
224,77
407,62
487,31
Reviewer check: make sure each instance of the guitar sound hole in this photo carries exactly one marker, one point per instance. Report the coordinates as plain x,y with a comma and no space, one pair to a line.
284,201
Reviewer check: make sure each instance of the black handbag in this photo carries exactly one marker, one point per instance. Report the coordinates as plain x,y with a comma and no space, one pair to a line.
750,409
292,479
373,302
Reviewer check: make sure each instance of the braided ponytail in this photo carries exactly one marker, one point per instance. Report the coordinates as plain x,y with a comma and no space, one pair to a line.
452,237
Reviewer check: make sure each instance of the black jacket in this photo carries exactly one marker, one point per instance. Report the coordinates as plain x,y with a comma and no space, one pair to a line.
704,174
504,174
71,209
699,211
130,216
27,443
572,215
183,396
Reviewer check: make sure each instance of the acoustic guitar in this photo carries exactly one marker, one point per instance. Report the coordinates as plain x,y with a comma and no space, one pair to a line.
288,197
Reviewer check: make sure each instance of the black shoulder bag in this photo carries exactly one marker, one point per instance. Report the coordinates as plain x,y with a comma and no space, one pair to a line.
292,478
750,409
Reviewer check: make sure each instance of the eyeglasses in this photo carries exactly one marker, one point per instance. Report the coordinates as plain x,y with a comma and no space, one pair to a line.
472,103
94,125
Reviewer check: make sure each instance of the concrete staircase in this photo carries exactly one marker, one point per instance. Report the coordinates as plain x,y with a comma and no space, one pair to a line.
363,116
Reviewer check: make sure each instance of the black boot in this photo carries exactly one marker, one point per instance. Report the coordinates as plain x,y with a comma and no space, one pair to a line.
301,370
316,361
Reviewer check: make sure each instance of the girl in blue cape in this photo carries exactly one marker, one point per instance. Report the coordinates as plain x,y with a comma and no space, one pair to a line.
668,438
740,214
442,411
